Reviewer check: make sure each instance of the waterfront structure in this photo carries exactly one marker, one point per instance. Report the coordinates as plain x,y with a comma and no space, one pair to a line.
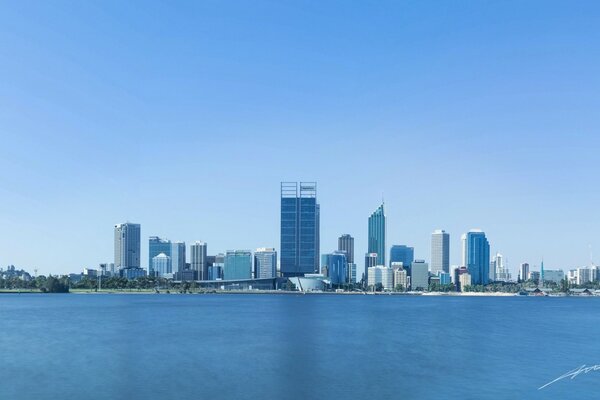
156,246
127,245
478,257
310,282
346,244
132,273
380,274
440,251
161,265
524,272
199,259
376,234
177,257
337,267
238,265
419,275
464,281
403,254
300,216
502,273
265,263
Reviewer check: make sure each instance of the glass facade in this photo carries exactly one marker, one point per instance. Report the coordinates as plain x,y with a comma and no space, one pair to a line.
199,260
337,267
157,246
161,265
440,251
346,244
238,265
377,234
403,254
299,229
265,263
478,257
177,257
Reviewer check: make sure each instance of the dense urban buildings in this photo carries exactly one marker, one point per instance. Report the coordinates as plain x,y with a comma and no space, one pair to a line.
156,246
440,252
299,229
376,234
127,245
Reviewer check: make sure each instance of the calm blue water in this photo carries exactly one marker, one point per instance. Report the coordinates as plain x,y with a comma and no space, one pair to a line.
298,347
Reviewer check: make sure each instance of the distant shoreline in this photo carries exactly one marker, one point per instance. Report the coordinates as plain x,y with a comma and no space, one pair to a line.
277,292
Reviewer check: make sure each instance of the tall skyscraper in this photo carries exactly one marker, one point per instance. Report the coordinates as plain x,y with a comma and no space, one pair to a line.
346,244
376,234
478,257
440,252
524,272
300,215
177,257
238,265
265,263
127,245
403,254
463,247
199,260
157,246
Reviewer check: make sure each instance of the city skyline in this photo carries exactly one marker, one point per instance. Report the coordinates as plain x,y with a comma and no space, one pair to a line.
431,107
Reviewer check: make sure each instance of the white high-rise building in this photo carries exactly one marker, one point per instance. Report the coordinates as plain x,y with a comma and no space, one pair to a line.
177,257
380,274
127,245
265,263
419,275
502,272
161,265
198,260
440,251
583,276
463,242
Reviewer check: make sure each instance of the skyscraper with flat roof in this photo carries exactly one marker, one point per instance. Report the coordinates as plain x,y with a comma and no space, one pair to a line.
199,260
238,265
337,267
403,254
346,244
376,234
300,215
478,257
440,251
265,263
127,245
177,257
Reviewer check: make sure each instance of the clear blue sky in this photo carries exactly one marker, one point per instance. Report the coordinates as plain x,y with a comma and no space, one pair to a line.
185,117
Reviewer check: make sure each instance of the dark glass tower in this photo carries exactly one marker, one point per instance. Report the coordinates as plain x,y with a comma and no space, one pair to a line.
346,244
299,229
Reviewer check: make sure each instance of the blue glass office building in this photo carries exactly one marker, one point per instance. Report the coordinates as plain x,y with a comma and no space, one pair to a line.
337,267
157,246
478,257
403,254
299,229
377,234
238,265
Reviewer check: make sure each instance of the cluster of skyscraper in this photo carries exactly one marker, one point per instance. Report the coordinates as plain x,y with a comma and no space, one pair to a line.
300,253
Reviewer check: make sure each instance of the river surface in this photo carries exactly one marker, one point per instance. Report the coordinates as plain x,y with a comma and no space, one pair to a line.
78,346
